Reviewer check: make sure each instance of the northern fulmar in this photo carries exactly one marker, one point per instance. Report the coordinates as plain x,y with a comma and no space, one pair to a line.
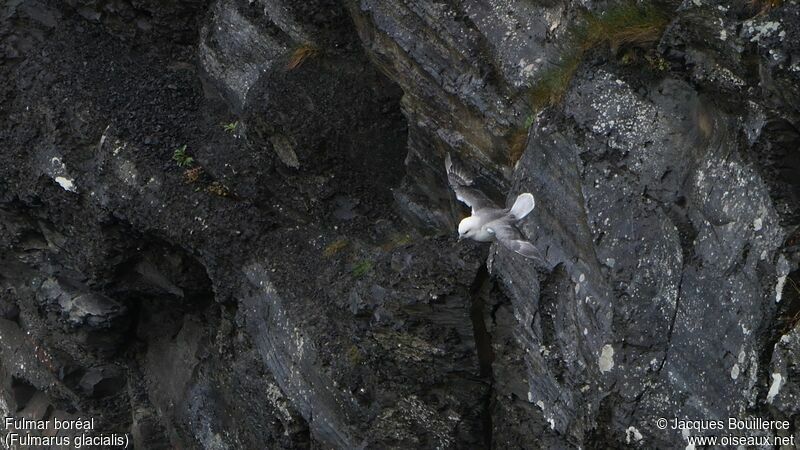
488,222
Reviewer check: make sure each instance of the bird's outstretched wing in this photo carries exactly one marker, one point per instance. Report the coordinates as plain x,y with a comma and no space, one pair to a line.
509,237
460,181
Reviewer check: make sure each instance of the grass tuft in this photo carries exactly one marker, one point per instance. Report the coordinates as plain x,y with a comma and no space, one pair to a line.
396,241
335,247
625,25
300,55
764,6
518,140
553,84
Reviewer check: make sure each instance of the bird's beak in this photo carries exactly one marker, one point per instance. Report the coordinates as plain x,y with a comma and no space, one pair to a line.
460,237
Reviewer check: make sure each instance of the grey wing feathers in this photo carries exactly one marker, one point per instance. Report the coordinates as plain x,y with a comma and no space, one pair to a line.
508,236
525,249
473,198
459,181
455,174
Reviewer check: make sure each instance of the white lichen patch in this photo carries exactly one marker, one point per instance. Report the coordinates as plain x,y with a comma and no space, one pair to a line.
58,171
724,75
606,360
735,371
779,288
527,69
775,387
279,401
761,31
632,433
66,183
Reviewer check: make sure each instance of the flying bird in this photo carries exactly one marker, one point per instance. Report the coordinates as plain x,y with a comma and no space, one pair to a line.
488,222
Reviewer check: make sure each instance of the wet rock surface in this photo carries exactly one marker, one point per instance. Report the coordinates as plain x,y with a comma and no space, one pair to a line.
226,224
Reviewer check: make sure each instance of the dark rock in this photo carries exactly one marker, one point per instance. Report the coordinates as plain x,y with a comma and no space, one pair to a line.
8,309
263,291
102,381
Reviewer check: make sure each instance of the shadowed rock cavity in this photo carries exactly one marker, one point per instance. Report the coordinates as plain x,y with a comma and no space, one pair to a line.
125,343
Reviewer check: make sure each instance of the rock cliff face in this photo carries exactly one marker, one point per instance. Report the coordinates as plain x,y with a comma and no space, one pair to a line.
226,224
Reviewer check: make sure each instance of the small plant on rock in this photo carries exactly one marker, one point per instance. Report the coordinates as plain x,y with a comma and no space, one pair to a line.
362,268
218,189
396,241
335,247
354,355
192,175
301,54
182,158
657,62
230,127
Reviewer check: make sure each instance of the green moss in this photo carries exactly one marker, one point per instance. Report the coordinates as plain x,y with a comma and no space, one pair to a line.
529,121
553,84
362,268
354,356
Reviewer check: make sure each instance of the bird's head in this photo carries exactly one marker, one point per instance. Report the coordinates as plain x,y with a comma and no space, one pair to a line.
468,227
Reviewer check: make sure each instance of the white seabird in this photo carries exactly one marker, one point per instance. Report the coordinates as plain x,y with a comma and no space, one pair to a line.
488,222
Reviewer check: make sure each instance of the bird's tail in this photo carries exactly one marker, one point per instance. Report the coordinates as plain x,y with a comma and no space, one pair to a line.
523,205
528,250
